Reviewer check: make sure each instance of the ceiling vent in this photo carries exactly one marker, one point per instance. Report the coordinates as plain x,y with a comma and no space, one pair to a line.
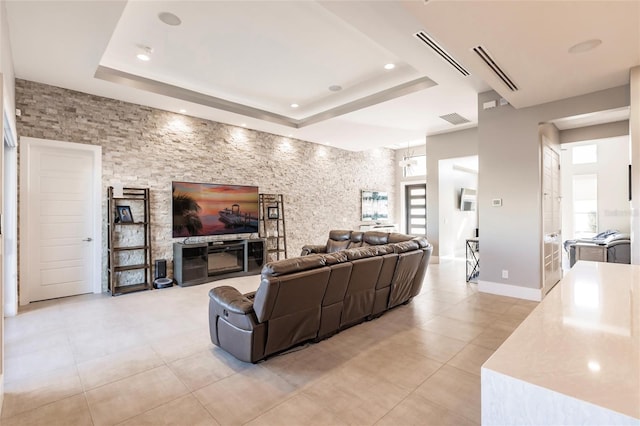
480,51
424,37
455,118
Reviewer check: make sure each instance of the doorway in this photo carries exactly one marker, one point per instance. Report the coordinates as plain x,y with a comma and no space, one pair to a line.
551,217
457,205
60,214
415,198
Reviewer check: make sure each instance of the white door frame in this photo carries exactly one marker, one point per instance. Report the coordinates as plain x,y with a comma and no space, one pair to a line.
402,223
10,220
544,288
26,145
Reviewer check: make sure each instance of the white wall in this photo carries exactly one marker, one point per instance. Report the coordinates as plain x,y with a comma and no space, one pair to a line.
612,172
509,151
456,225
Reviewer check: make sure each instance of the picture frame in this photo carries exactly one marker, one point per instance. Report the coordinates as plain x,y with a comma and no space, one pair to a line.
375,206
124,214
273,213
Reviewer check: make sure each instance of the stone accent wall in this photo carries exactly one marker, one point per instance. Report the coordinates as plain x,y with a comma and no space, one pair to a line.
147,147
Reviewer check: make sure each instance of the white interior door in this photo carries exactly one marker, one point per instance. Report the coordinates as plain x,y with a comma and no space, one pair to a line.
551,219
58,206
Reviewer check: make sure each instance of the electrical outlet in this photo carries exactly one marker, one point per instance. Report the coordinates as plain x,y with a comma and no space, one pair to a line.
505,274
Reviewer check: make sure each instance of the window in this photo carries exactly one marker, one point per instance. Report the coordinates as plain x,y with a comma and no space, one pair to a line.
585,205
585,154
416,167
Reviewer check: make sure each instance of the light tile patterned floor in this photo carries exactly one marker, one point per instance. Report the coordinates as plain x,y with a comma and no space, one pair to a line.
146,359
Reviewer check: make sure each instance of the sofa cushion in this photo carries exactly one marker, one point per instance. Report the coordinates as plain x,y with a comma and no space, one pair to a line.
395,237
361,252
340,235
375,238
334,246
422,241
406,246
356,239
335,258
294,264
384,249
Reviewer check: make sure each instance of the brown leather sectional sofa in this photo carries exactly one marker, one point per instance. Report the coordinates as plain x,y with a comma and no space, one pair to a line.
354,277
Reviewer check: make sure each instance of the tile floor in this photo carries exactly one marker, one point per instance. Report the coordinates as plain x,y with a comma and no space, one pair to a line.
146,359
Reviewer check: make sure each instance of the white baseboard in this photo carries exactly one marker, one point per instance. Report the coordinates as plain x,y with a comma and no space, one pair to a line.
510,290
434,259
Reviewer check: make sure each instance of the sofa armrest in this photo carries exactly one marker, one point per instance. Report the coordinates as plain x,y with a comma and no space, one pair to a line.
310,249
230,299
617,242
233,324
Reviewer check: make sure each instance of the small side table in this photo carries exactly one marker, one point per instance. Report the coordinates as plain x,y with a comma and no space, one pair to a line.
473,259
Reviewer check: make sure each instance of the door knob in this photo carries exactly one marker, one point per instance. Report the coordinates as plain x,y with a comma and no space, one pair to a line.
88,239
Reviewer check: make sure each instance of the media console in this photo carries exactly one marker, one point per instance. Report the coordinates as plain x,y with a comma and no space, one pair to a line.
199,263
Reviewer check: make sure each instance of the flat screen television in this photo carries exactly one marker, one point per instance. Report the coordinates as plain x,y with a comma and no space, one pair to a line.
201,209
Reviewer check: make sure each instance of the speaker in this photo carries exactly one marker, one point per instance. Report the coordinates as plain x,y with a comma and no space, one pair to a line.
160,269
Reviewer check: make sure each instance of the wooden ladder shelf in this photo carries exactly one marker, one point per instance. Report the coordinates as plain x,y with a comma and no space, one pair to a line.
129,241
272,226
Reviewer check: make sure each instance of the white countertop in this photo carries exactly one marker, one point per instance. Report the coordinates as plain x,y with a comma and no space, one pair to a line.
583,339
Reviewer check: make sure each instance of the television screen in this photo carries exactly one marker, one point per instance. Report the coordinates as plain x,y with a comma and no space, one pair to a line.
210,209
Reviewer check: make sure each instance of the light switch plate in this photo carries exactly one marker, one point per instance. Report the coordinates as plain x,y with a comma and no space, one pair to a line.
496,202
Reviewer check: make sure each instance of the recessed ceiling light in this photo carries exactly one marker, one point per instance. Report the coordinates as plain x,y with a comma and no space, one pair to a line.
389,66
335,88
182,110
169,18
585,46
144,53
294,105
244,124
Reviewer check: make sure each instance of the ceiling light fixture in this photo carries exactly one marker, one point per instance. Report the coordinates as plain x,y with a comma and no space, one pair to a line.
169,18
244,124
182,111
294,105
585,46
408,162
408,159
389,66
144,53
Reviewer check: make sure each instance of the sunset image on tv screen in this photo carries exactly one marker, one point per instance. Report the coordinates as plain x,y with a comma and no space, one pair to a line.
211,209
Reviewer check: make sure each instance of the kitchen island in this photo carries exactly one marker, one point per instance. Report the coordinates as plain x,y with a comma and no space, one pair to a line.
575,359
